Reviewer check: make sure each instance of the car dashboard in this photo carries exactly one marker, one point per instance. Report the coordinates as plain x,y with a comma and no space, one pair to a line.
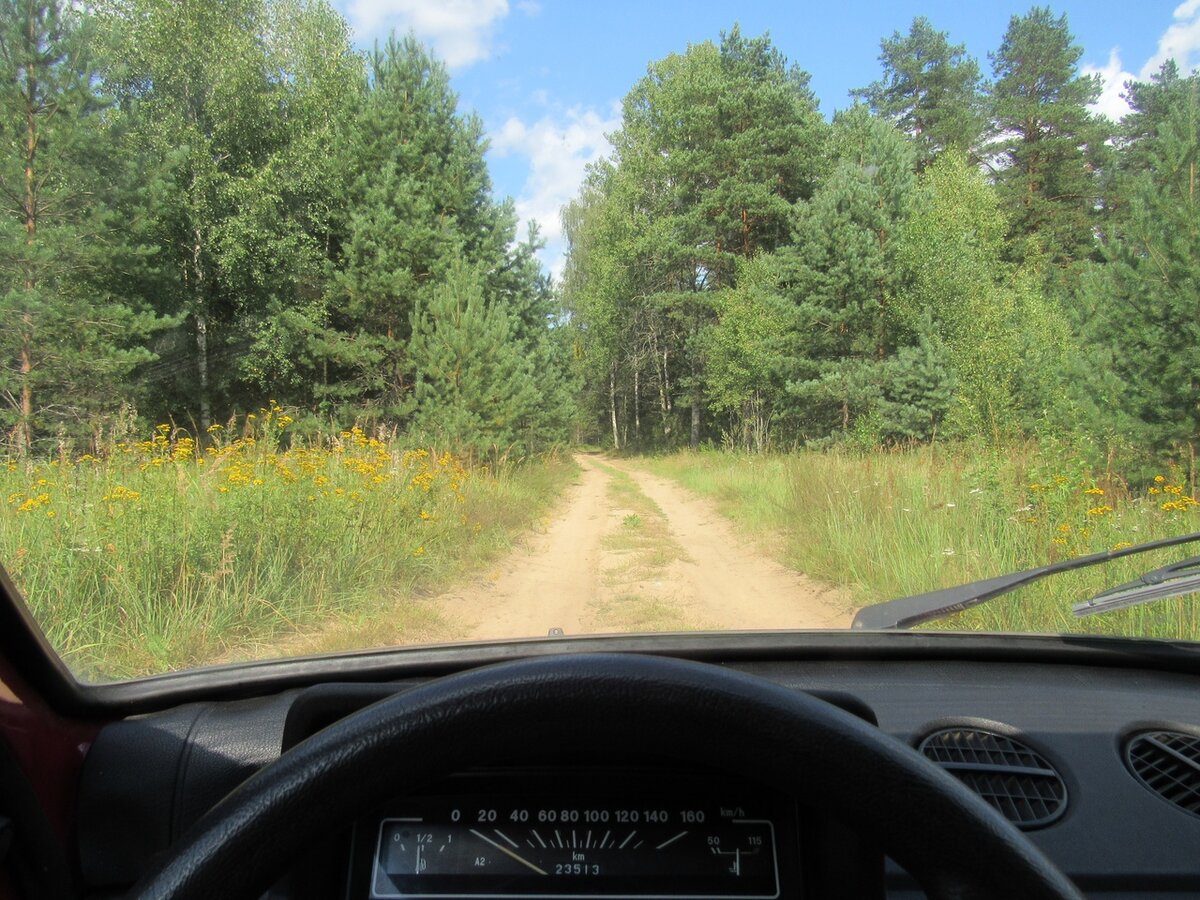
1052,743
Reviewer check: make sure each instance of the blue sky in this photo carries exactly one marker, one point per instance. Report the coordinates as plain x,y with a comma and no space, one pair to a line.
546,76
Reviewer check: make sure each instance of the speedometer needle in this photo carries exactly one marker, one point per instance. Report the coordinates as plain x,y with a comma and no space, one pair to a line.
503,849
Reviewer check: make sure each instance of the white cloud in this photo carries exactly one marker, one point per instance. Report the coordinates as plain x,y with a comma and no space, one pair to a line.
1113,76
559,147
530,7
1180,42
460,31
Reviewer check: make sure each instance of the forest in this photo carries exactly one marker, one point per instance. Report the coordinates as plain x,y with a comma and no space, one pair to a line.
962,254
276,363
214,206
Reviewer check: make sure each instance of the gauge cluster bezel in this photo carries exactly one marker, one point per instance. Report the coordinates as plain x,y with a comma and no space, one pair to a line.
598,789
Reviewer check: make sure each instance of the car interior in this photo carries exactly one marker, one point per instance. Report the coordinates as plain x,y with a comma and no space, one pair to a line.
556,353
832,765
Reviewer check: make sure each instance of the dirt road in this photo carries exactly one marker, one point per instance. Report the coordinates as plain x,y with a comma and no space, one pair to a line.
629,551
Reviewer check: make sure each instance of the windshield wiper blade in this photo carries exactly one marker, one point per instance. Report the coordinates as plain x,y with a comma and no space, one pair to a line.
1176,580
906,612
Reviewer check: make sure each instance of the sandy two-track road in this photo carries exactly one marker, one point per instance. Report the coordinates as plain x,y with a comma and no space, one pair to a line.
581,574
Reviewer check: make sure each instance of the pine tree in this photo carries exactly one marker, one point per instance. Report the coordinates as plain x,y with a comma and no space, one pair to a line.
931,89
475,386
1047,141
418,200
1141,308
66,343
539,334
918,390
840,271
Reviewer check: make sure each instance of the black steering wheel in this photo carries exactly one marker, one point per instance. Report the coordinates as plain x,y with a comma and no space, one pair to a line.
953,843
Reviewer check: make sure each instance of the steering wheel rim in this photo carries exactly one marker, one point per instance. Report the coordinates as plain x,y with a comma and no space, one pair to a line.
953,843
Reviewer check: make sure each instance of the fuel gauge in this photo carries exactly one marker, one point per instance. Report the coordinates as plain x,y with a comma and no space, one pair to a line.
744,846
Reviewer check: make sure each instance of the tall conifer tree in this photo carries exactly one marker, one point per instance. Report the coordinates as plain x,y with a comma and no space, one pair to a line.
931,89
1047,142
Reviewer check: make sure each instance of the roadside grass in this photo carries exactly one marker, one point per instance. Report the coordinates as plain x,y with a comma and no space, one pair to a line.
891,524
159,555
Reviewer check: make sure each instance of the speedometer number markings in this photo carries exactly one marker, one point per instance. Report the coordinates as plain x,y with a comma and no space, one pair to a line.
673,853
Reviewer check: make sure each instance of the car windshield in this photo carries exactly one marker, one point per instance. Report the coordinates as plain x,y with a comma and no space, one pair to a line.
342,324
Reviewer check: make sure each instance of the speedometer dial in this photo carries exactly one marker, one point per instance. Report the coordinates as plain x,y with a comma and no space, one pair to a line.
541,846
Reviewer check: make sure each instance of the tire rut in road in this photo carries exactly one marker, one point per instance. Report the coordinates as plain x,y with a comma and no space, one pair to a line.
728,580
629,551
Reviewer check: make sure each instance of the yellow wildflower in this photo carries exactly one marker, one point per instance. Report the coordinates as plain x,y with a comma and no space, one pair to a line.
120,492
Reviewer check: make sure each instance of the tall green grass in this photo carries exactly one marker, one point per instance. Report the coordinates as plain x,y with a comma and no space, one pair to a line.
159,555
891,524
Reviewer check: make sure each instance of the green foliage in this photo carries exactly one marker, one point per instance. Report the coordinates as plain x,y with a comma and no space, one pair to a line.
839,271
918,391
68,342
977,303
955,282
931,89
1141,306
475,386
1046,139
217,202
401,311
716,147
228,204
415,188
228,104
742,352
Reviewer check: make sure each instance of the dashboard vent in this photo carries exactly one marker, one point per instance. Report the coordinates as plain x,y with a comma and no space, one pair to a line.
1019,782
1168,762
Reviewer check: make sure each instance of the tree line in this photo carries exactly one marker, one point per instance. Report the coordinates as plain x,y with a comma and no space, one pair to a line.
981,258
206,206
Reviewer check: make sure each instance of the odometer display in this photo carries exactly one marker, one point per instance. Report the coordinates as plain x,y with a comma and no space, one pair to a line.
594,846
